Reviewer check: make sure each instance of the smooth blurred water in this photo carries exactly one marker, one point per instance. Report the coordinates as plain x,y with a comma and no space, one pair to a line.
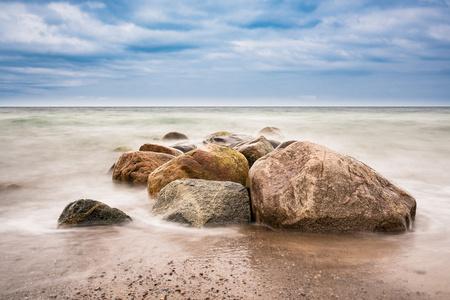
58,155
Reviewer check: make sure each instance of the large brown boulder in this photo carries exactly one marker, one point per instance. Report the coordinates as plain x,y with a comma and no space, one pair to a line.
210,162
160,149
135,166
254,149
312,188
199,203
87,212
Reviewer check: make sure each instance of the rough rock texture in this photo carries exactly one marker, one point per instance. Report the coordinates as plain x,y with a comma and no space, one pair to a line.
210,162
271,132
160,149
254,149
312,188
199,202
184,147
86,212
285,144
226,138
171,136
135,166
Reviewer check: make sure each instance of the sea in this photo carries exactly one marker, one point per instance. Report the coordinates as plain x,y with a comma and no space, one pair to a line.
51,156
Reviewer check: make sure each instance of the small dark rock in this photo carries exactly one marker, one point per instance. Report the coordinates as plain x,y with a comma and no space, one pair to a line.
184,147
285,144
174,136
87,212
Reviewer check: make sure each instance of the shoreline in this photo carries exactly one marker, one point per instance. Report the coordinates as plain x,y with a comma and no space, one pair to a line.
246,262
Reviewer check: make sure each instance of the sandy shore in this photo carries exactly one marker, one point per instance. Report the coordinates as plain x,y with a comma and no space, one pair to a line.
232,263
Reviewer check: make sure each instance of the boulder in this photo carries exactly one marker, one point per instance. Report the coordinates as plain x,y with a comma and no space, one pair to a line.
184,147
226,138
135,166
285,144
160,149
271,132
309,187
254,149
199,203
210,162
87,212
171,136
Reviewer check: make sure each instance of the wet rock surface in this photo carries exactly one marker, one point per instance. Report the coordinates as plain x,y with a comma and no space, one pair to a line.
202,203
184,147
312,188
226,138
134,167
210,162
87,212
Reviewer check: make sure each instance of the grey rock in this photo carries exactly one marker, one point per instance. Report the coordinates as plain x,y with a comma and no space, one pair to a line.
226,138
87,212
312,188
285,144
271,132
199,203
184,147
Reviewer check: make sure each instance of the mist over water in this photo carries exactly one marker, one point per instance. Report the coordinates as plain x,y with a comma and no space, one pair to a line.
58,155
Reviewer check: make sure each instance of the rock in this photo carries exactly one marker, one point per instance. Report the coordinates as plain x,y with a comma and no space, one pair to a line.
87,212
226,138
254,149
312,188
135,166
210,162
184,147
9,187
285,144
274,143
160,149
174,136
199,202
271,132
123,149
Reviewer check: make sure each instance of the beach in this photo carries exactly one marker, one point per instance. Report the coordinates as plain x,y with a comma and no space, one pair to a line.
53,156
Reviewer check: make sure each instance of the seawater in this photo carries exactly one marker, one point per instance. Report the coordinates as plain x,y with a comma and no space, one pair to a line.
58,155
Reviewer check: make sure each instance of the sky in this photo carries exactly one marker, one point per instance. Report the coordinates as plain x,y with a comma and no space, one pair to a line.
234,52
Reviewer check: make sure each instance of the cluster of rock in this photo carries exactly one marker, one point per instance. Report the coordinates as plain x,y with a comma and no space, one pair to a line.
232,178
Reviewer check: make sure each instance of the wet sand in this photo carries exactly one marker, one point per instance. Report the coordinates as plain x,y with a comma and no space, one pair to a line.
250,262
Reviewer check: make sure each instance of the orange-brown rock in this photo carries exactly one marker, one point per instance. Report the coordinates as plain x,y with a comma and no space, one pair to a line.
135,166
210,162
309,187
160,149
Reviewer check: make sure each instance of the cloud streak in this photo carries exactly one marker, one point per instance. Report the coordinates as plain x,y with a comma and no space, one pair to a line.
86,48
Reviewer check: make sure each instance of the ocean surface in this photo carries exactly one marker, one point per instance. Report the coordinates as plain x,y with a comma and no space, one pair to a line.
52,156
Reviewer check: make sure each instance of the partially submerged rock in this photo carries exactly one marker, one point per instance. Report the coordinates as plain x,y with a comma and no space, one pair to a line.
271,132
254,149
87,212
171,136
312,188
201,203
184,147
123,149
135,166
160,149
226,138
210,162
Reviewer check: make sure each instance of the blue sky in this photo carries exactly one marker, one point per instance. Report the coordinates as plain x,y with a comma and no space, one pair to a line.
232,52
